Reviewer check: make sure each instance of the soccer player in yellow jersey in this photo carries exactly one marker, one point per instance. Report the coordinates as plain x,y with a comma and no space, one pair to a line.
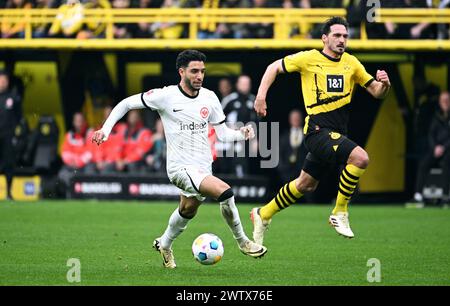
327,79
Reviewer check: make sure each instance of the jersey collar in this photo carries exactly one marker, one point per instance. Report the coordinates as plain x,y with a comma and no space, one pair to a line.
186,94
331,58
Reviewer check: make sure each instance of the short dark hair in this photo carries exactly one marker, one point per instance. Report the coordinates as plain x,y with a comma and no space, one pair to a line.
332,21
187,56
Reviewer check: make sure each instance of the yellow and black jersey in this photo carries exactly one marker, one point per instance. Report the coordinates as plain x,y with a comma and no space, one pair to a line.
327,85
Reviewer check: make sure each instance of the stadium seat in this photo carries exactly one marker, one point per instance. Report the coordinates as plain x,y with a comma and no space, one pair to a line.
43,146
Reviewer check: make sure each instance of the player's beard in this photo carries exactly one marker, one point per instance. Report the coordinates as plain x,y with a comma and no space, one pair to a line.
191,85
339,50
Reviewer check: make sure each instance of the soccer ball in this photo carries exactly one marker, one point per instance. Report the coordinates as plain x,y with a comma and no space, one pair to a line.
207,249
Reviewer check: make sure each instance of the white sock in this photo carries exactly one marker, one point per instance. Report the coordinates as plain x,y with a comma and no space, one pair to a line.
177,224
231,215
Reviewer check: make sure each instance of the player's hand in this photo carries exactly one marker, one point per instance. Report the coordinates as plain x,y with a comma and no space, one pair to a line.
383,77
98,137
248,132
260,106
439,151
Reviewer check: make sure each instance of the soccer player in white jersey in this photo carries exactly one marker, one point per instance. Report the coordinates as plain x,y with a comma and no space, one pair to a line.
185,110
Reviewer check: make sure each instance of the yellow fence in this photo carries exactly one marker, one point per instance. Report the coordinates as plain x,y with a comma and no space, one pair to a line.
282,19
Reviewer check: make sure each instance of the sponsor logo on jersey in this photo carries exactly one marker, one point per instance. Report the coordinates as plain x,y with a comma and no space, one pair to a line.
192,126
335,83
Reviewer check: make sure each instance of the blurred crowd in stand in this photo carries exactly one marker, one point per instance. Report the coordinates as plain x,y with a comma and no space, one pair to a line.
69,21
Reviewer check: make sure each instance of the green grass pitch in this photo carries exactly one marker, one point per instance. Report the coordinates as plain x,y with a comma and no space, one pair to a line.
113,241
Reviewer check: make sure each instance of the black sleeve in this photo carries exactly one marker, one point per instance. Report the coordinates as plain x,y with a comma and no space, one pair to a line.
145,104
284,66
219,123
369,82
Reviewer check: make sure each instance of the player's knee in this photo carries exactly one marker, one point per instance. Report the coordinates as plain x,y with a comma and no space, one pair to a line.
306,186
360,159
188,210
227,194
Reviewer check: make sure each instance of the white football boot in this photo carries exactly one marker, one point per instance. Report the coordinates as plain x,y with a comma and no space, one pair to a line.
252,249
260,226
341,224
167,255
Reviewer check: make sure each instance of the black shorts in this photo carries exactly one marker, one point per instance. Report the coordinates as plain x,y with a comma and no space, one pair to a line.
325,149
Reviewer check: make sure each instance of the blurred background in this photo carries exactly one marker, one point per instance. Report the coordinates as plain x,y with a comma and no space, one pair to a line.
65,64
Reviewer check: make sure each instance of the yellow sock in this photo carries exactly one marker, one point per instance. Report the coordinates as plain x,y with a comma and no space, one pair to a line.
287,196
347,184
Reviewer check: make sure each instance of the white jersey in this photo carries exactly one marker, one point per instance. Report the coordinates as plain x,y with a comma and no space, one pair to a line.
185,121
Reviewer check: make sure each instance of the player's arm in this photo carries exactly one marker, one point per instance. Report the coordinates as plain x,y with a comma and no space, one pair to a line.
133,102
379,88
225,134
267,80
